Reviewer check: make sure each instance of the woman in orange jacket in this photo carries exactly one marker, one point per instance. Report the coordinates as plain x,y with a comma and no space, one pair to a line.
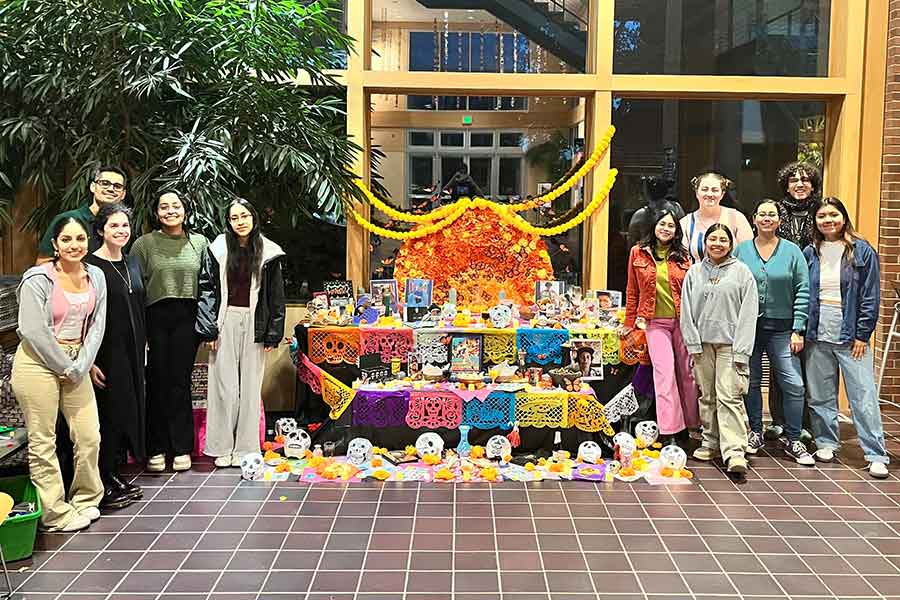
656,269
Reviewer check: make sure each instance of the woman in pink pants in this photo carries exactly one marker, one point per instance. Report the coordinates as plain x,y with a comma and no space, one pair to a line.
656,269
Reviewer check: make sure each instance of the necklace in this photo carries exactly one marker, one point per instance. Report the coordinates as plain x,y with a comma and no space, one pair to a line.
125,278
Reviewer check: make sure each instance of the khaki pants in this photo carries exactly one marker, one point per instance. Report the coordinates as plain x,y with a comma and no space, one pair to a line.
42,396
722,409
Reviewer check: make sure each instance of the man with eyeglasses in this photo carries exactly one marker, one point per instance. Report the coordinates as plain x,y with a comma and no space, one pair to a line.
107,187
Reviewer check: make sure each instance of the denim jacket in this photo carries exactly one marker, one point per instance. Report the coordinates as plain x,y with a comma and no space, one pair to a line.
860,293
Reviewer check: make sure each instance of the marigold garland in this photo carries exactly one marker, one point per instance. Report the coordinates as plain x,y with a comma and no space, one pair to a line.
419,232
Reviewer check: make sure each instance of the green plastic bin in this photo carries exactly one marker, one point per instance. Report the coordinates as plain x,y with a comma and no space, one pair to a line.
17,533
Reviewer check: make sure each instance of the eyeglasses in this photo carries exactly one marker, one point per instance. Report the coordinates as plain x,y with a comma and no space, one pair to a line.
106,184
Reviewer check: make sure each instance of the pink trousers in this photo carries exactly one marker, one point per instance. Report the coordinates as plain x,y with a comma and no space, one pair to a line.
676,392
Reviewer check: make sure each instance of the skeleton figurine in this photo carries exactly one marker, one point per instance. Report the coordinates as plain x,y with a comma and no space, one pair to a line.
501,316
498,446
296,443
429,443
252,466
359,451
625,446
590,452
285,426
646,433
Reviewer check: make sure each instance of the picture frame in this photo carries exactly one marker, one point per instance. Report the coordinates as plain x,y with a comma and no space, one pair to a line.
543,188
579,351
465,353
379,287
608,299
554,290
339,292
417,293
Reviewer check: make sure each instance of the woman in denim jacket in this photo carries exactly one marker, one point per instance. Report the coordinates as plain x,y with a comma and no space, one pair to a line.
844,295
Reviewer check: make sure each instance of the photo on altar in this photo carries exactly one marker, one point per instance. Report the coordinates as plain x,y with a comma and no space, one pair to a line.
549,290
465,353
339,292
418,293
608,299
587,357
379,288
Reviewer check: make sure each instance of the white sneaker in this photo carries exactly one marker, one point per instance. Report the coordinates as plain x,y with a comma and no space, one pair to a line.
825,455
235,460
157,463
77,523
223,461
182,462
91,512
878,470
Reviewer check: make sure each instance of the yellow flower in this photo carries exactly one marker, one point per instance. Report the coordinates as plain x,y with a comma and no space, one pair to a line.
380,474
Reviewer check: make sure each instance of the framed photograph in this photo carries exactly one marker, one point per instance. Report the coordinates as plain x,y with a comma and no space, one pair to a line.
339,292
322,297
608,299
549,290
379,288
465,354
587,357
414,314
543,188
418,293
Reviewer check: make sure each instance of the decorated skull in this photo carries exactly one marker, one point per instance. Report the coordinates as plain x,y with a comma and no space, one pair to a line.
296,443
285,425
673,458
359,451
590,452
613,467
501,316
646,433
429,443
498,446
625,442
252,466
448,311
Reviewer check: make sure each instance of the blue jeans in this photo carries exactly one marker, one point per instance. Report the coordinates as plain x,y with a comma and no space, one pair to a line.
823,360
775,342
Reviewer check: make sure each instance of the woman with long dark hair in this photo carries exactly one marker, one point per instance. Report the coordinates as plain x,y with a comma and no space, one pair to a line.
62,318
656,269
845,293
170,260
118,371
718,318
241,318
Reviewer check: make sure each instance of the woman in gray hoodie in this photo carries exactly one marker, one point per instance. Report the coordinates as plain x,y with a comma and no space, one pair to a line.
719,308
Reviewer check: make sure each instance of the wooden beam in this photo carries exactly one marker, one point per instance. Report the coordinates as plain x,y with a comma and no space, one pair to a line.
482,84
713,87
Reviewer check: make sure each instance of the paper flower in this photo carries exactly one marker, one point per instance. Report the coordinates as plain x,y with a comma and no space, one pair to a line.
477,452
270,455
444,474
490,473
529,466
410,450
268,446
283,467
377,462
431,459
380,474
279,439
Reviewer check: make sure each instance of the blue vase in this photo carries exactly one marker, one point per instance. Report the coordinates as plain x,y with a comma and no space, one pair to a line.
463,449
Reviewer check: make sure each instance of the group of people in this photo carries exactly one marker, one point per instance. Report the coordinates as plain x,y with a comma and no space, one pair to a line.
94,317
713,295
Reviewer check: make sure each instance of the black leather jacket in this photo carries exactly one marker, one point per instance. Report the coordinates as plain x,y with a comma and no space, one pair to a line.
268,318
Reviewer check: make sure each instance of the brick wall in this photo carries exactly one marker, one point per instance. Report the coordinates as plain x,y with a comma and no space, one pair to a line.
889,224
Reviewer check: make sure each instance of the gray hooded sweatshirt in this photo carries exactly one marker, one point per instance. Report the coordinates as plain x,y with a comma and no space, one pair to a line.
720,305
35,295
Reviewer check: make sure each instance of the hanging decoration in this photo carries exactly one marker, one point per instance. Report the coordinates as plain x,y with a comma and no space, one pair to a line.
436,61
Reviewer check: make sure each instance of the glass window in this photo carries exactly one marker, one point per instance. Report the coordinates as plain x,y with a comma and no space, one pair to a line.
510,177
449,166
480,139
704,37
421,138
480,170
674,140
454,139
420,175
511,139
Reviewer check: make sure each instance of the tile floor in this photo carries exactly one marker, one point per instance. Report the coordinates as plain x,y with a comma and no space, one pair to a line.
789,532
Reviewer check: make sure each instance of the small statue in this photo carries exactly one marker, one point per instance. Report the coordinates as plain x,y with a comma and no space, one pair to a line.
655,196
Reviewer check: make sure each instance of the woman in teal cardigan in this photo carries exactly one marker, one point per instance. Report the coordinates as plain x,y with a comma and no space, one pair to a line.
782,279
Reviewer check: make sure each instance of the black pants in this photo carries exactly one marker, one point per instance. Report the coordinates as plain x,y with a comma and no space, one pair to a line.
173,344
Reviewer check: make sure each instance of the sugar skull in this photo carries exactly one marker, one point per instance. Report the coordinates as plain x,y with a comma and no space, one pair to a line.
296,443
359,451
285,425
672,457
590,452
625,444
646,433
498,446
429,443
448,311
252,466
334,350
501,316
613,467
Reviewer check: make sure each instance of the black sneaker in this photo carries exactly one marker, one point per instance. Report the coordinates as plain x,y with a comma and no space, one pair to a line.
797,450
754,442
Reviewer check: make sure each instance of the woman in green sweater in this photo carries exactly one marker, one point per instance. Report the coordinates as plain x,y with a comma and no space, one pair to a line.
170,261
782,279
